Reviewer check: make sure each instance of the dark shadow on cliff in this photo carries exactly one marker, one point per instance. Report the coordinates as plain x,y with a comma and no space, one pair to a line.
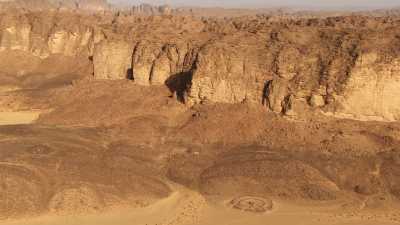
179,84
129,74
265,94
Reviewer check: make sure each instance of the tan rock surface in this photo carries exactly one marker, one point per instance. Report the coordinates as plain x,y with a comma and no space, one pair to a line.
112,60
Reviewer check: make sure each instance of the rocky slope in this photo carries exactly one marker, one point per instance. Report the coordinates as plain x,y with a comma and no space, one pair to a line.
341,66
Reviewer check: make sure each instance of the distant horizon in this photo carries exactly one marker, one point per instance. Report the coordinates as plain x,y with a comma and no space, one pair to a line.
254,4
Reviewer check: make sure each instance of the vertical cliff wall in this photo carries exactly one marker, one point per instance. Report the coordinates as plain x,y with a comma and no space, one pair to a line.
345,66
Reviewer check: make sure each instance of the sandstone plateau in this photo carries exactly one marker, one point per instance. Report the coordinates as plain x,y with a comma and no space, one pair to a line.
344,66
161,115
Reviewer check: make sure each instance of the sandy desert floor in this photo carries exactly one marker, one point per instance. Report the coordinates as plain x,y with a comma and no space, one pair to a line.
12,118
149,159
186,207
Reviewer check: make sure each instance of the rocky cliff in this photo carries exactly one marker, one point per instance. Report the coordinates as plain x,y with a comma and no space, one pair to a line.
340,66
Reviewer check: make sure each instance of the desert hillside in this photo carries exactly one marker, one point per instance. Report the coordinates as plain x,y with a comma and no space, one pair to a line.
155,115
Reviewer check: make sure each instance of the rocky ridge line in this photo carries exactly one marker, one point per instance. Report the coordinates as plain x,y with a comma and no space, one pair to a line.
342,66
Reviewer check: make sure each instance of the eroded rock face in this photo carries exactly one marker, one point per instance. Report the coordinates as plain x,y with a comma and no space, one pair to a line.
143,59
372,90
277,91
91,5
230,72
146,9
154,63
111,60
69,43
165,65
344,67
14,35
43,36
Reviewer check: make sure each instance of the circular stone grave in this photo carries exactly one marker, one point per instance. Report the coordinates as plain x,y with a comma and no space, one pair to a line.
251,204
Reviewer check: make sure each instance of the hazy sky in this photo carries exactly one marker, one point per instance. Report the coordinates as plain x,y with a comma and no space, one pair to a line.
275,3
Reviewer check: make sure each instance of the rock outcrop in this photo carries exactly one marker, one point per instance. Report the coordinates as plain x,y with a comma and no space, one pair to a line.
229,72
343,66
372,90
45,5
148,10
112,60
45,35
91,5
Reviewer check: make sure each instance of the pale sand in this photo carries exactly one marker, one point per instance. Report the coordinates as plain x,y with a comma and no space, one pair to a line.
188,207
181,207
291,214
21,117
8,88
